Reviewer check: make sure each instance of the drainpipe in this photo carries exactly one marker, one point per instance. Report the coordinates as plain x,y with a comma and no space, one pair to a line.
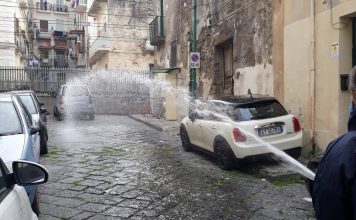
162,20
194,49
312,75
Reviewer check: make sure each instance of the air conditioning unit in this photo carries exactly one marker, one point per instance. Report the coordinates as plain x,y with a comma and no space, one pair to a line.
45,60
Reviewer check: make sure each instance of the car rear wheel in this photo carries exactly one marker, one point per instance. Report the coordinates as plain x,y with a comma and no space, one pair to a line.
92,117
224,155
36,204
295,152
59,117
187,146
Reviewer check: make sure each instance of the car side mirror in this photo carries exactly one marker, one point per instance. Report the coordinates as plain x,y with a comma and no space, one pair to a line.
34,129
29,173
43,108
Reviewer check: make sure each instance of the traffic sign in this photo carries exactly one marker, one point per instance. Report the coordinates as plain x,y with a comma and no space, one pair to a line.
194,60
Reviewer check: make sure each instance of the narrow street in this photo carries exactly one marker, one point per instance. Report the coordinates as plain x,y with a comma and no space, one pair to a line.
117,168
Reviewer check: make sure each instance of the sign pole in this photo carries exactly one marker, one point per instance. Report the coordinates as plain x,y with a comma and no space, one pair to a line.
194,49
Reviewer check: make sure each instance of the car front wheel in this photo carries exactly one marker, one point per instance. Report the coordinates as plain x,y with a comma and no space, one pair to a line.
224,155
187,146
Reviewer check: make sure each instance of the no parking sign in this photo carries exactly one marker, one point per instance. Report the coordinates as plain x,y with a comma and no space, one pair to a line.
194,60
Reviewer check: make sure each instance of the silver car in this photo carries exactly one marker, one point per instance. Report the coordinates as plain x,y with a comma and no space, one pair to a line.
38,112
74,100
19,138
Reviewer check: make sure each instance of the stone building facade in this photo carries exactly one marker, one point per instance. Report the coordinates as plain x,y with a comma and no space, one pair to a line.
119,34
240,42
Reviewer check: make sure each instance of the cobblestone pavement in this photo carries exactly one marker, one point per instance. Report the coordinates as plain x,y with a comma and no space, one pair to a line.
117,168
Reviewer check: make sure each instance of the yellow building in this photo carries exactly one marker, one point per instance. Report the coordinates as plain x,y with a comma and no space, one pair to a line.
319,37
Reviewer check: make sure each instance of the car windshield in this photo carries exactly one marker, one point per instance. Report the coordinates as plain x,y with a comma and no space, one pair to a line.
10,122
75,91
259,110
29,104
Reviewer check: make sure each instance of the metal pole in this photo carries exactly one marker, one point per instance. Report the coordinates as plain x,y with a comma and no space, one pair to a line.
161,20
194,49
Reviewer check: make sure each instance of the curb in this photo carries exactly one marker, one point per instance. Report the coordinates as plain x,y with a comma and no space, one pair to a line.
156,127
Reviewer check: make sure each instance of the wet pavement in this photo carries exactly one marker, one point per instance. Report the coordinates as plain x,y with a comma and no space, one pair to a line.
118,168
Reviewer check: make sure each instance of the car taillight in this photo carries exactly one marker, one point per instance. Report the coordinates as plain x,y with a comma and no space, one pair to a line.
238,135
90,100
61,100
296,125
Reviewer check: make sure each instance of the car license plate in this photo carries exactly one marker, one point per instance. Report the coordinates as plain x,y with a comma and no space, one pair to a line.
270,131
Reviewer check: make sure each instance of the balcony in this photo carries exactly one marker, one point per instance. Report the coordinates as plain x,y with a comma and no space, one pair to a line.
95,6
99,48
44,35
49,8
156,31
81,5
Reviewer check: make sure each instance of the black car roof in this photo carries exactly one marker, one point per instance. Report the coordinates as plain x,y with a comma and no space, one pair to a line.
244,99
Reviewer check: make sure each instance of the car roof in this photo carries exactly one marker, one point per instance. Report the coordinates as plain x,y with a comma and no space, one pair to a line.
20,92
6,97
244,99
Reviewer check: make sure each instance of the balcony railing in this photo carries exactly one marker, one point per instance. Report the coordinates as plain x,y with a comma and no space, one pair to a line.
51,7
157,31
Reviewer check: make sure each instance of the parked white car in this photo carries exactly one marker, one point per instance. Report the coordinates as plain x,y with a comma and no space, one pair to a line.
262,116
14,203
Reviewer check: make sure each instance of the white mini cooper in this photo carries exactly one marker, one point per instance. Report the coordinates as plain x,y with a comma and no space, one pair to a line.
219,126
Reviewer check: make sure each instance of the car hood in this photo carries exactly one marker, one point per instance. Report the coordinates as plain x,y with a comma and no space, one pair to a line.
11,147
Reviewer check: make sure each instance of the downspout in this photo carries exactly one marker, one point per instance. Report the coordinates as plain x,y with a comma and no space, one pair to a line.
312,75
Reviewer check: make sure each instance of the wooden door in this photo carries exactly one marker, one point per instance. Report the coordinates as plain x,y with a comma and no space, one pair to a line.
227,72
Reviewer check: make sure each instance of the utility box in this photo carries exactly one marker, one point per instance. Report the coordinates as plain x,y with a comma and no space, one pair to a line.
344,81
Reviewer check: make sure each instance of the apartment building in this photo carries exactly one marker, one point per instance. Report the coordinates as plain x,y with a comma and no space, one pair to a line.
7,29
120,34
59,34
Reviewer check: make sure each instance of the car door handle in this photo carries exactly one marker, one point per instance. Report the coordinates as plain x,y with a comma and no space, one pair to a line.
213,127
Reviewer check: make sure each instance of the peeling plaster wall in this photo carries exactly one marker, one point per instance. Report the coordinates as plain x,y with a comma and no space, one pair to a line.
258,78
127,27
247,24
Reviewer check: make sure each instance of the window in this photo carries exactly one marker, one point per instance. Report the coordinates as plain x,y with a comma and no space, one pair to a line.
10,122
28,102
43,26
259,110
173,61
26,114
44,54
